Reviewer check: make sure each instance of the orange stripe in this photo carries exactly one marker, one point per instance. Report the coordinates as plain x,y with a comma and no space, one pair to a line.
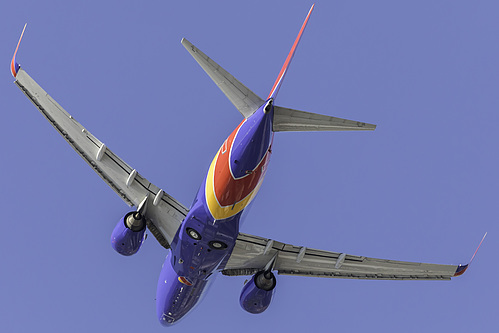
291,53
229,190
13,62
184,281
225,195
13,68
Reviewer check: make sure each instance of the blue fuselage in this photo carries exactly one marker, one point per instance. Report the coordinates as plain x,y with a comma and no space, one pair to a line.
204,241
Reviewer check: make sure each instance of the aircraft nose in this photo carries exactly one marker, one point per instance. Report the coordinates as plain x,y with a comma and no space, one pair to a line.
166,320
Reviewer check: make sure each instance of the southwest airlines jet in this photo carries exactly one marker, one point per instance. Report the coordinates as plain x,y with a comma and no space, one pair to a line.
205,240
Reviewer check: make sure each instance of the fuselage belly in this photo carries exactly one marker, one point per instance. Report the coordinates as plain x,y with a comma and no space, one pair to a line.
209,231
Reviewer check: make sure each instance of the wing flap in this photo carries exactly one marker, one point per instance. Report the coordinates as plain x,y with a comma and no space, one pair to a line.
164,218
246,101
251,253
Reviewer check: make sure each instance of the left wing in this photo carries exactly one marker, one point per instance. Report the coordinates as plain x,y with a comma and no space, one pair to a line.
252,253
163,213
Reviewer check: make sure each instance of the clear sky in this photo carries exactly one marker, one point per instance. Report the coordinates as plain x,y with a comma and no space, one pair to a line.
422,187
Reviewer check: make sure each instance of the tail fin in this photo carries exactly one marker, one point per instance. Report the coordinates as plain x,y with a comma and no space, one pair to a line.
284,69
289,120
246,101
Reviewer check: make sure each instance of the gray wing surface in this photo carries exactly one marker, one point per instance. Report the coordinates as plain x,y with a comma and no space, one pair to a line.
289,120
164,214
252,253
246,101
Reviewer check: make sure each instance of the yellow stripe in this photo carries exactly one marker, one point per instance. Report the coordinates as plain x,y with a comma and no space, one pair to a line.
218,212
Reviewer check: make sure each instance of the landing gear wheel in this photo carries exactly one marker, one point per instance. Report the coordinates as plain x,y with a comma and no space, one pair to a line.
217,245
193,233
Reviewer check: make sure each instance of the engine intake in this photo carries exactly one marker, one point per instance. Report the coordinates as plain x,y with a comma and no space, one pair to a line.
257,293
128,235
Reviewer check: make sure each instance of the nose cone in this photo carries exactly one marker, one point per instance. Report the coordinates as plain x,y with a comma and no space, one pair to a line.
167,295
174,297
166,320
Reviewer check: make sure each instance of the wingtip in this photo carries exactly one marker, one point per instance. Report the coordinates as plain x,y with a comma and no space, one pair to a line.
14,66
188,45
462,268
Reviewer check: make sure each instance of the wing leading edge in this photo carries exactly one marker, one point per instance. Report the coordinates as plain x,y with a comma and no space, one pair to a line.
164,214
289,120
246,101
252,253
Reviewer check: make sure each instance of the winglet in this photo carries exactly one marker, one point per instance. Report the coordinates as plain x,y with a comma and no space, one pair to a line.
282,73
14,66
462,268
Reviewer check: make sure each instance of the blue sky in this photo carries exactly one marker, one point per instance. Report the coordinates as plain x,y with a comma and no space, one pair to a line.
422,187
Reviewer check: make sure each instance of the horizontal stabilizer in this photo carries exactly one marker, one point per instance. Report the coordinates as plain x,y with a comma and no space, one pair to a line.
289,120
246,101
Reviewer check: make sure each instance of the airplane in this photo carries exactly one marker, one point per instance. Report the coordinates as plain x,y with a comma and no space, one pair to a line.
205,239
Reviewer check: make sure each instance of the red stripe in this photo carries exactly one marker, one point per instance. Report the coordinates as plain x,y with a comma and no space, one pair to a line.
290,54
13,62
184,281
462,271
228,190
13,68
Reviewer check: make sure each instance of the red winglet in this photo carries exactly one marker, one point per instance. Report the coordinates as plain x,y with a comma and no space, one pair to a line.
282,73
462,268
14,66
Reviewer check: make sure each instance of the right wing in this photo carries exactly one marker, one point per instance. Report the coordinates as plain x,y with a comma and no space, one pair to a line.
252,253
246,101
164,214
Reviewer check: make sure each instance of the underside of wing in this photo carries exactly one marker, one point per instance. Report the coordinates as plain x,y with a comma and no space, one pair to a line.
164,214
252,253
289,120
246,101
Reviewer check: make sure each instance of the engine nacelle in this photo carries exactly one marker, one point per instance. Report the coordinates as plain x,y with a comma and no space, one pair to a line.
257,293
128,235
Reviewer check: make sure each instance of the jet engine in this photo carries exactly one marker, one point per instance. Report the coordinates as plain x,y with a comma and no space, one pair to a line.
257,293
128,235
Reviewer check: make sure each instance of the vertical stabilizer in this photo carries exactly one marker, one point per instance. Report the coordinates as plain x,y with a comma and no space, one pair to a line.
284,69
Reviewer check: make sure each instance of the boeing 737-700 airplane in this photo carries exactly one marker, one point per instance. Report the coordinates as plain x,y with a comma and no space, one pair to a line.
204,239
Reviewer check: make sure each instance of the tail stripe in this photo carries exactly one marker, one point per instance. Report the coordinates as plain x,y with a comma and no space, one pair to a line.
282,73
